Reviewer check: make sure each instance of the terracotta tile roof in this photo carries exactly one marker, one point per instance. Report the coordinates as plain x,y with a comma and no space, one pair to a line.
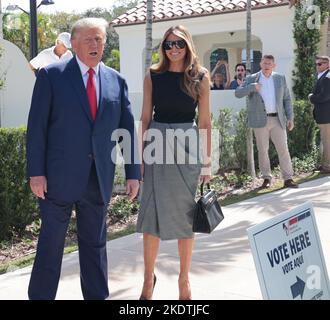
177,9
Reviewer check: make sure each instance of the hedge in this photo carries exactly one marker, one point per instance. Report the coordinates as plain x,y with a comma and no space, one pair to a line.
302,140
17,204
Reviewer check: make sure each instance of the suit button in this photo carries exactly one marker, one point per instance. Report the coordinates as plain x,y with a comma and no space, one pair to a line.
91,156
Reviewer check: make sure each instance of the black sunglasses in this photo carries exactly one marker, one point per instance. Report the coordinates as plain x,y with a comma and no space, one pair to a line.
179,44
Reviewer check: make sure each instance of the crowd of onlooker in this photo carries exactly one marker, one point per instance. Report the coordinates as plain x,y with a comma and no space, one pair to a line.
220,76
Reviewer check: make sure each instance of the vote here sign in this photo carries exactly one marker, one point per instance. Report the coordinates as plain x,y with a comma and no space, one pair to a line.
288,256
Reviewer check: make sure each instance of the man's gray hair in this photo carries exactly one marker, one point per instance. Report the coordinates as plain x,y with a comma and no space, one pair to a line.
89,23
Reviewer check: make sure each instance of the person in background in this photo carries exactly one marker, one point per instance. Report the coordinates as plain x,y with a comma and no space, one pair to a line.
240,74
270,112
220,80
321,100
57,53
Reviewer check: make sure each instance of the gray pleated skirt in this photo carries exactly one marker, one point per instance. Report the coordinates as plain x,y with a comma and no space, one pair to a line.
169,188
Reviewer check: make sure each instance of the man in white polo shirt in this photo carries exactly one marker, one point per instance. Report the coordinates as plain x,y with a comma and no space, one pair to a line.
57,53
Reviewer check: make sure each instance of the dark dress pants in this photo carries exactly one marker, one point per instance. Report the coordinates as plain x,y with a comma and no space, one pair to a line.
92,236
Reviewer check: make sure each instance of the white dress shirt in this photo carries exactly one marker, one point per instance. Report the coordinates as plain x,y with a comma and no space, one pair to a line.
267,92
321,74
84,73
48,56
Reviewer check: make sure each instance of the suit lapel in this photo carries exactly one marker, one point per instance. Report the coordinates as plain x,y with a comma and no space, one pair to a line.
318,82
77,82
104,85
323,75
277,86
258,76
257,79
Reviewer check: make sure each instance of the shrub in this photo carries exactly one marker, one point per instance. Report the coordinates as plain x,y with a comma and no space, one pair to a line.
308,162
307,36
224,124
121,208
17,204
240,140
302,139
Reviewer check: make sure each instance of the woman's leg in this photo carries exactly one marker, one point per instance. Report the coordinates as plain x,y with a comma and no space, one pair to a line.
185,253
150,251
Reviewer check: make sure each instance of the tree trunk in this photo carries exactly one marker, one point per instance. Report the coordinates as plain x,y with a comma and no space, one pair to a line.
1,30
328,34
249,138
148,48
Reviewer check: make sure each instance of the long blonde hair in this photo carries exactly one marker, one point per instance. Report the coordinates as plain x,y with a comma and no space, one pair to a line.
193,71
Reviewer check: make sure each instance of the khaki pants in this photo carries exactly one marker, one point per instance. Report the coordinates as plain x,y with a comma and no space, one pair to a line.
325,139
274,131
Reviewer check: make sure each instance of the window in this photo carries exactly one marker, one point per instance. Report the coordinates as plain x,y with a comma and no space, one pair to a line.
216,55
255,59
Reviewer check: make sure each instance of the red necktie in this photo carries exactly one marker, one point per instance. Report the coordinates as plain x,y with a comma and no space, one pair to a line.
91,93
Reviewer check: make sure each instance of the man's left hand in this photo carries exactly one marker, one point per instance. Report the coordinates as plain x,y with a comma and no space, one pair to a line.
132,188
290,125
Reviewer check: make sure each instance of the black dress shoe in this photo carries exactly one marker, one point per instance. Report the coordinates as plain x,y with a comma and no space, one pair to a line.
290,184
266,184
153,287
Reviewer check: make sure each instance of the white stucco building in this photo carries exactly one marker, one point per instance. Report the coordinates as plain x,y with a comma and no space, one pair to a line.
214,25
15,96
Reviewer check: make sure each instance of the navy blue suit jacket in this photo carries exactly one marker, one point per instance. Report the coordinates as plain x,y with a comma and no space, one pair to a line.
62,138
321,99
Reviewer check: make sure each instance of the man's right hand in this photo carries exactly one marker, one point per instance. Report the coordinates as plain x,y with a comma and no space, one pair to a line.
257,86
219,63
38,186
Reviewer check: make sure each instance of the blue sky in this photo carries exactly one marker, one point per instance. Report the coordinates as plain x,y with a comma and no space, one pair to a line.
62,5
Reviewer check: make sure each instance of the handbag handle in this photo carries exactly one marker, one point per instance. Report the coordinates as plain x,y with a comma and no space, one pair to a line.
202,187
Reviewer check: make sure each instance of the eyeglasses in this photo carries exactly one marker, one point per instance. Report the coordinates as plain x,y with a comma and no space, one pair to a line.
319,64
179,44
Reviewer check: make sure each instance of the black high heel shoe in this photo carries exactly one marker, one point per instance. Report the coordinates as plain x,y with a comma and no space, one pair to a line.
153,287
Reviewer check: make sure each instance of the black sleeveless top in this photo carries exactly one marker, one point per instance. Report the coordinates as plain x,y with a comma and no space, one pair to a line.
171,104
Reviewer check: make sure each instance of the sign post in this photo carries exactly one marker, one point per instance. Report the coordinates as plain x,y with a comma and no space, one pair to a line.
288,256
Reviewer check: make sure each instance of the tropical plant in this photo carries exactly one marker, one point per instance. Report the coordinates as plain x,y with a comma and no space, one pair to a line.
114,60
307,21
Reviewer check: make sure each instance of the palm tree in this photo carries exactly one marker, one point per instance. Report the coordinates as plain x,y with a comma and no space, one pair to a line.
250,154
148,48
1,33
328,35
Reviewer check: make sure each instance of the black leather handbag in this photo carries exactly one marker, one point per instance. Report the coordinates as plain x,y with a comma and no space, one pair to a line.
208,213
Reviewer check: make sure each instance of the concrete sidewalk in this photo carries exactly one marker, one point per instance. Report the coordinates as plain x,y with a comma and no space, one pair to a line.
222,266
